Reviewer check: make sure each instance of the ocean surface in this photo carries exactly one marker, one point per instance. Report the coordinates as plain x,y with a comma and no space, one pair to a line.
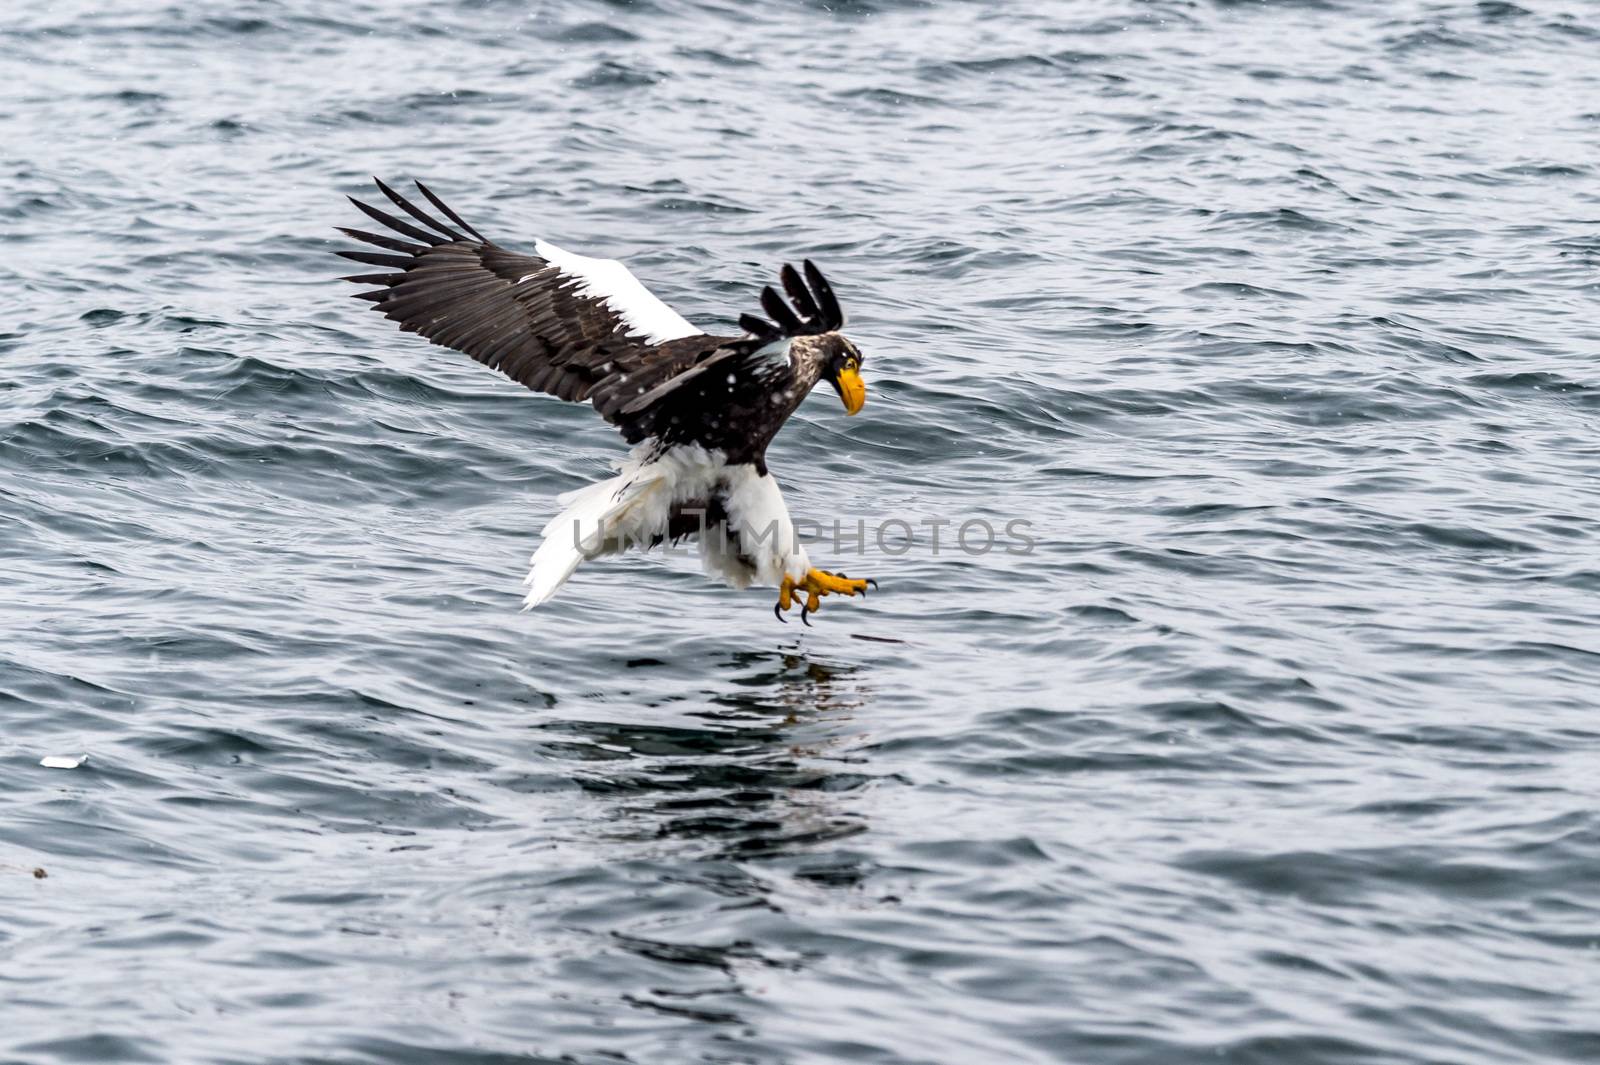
1262,337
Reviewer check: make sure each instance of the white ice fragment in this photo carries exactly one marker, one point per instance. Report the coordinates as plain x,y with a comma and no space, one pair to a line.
63,761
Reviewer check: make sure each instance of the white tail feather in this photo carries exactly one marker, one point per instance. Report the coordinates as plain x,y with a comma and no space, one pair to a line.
635,508
626,511
592,518
562,550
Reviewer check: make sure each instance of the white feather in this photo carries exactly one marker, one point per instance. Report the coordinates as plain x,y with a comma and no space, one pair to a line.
768,546
634,507
609,280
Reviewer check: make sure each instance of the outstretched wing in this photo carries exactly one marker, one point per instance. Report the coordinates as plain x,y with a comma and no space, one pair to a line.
560,323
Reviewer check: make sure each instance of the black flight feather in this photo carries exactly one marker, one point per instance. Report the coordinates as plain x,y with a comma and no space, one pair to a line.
832,315
448,213
372,258
799,293
780,312
396,224
758,327
382,241
415,212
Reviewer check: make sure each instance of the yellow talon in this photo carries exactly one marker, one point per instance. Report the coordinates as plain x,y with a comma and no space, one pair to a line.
815,585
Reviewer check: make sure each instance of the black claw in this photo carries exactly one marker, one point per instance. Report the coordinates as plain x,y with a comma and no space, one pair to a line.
872,584
804,610
777,612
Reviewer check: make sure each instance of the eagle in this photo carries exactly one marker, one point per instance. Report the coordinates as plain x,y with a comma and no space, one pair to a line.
698,408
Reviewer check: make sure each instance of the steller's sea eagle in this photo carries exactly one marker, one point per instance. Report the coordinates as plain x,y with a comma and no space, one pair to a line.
700,410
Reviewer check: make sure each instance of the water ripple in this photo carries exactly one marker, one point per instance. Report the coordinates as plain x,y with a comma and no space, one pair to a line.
1270,325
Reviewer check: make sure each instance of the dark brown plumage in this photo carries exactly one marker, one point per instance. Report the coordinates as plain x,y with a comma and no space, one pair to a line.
548,329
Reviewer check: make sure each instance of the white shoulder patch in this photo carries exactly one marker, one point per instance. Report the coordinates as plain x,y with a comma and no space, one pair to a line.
613,282
777,352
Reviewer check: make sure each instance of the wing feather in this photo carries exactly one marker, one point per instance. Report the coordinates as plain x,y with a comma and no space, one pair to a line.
781,312
803,300
816,309
448,213
381,240
555,321
411,209
372,258
399,226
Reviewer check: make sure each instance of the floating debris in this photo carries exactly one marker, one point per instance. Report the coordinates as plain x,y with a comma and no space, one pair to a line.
63,761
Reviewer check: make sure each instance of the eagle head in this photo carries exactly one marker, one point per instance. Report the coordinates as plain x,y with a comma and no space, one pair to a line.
841,368
813,322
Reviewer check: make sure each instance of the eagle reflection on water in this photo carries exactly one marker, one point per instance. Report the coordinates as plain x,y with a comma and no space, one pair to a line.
744,783
715,823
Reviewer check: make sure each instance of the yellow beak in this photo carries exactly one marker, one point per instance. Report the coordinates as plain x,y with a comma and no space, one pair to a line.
852,390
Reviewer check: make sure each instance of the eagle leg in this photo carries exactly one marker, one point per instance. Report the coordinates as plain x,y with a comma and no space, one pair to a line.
815,585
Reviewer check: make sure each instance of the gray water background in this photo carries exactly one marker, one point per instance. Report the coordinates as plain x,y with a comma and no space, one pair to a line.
1276,321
